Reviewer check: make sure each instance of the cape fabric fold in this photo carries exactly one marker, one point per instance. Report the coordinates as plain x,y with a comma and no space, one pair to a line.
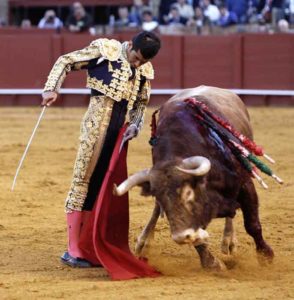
104,236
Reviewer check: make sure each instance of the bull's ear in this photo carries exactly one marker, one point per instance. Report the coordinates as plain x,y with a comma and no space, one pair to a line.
145,188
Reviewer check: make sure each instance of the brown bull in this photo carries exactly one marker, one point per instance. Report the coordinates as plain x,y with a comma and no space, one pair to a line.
195,177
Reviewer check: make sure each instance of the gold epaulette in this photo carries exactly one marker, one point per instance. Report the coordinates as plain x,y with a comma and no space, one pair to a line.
147,70
110,49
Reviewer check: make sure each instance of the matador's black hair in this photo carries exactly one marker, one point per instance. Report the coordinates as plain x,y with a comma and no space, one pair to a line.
148,43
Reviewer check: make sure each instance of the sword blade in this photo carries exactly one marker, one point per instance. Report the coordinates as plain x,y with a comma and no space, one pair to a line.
122,144
27,147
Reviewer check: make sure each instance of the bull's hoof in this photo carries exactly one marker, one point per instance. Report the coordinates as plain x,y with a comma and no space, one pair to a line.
229,246
265,255
213,264
143,241
208,261
140,245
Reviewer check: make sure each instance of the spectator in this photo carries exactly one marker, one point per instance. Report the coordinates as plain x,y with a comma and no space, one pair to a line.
123,17
272,10
164,10
78,20
283,26
211,11
263,9
50,21
252,15
199,20
174,17
227,18
136,12
277,10
148,21
291,11
154,6
2,22
185,10
219,3
26,24
195,3
240,8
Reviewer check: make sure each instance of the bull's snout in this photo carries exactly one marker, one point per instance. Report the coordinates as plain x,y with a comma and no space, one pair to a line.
190,236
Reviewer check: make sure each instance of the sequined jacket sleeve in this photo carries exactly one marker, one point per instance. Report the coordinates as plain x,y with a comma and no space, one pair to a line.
72,61
137,113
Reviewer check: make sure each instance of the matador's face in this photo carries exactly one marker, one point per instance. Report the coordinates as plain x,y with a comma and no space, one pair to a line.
135,58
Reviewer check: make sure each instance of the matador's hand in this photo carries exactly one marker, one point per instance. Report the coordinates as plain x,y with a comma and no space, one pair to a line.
48,98
131,132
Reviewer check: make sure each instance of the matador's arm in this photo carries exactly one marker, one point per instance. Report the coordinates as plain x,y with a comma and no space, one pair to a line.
137,113
72,61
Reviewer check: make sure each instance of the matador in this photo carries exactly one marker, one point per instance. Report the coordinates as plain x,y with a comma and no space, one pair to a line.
118,75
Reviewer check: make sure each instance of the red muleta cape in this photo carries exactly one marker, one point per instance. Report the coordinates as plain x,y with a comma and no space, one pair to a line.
105,237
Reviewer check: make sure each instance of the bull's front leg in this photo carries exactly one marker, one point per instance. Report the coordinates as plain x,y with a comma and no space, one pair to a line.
208,261
229,241
249,205
148,229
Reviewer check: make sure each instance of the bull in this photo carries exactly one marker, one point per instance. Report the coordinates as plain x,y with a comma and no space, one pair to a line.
195,177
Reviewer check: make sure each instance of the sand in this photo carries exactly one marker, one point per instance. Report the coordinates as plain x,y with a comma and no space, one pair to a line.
33,228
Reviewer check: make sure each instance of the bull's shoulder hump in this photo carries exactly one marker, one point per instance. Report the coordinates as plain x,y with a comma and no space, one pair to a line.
202,90
186,93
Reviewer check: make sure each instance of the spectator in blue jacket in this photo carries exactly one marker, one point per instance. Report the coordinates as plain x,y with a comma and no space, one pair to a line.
227,18
240,8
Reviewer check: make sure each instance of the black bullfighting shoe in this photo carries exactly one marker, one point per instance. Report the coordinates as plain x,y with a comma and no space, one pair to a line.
73,262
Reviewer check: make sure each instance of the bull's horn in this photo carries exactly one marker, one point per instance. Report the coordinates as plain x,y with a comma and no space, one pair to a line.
195,165
132,181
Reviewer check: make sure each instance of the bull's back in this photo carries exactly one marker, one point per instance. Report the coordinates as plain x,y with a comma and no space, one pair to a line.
221,101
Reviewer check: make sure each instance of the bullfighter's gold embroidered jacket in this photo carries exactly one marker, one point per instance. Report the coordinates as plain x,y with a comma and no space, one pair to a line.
109,73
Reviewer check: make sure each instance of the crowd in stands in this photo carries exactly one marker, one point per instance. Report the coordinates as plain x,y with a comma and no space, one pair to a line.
77,21
177,15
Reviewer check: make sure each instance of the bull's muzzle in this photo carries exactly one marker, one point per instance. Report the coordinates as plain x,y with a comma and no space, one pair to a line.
191,236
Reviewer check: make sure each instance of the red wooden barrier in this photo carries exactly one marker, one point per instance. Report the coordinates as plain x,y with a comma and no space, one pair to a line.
212,60
252,61
269,61
168,64
24,60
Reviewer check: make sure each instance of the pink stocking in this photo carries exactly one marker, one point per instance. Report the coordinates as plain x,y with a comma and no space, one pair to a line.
74,223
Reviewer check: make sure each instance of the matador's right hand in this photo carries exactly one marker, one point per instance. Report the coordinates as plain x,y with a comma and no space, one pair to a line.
48,98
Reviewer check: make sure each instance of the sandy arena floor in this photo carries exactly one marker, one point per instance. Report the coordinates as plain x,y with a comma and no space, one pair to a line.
33,229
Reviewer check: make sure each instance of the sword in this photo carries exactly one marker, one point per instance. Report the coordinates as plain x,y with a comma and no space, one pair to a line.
27,148
127,137
122,143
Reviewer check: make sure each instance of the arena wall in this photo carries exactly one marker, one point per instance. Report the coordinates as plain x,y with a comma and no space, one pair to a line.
245,61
